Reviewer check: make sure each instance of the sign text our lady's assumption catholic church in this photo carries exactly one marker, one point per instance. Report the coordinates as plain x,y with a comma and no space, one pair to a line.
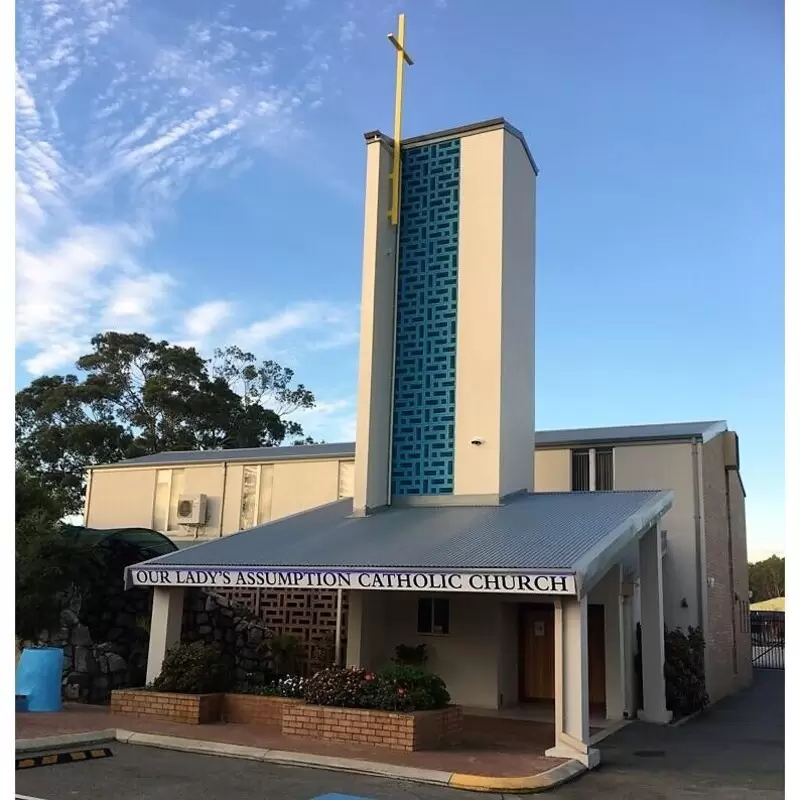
491,582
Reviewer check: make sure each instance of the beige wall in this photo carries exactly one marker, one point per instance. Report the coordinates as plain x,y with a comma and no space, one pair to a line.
552,470
121,498
668,466
299,485
649,466
517,346
494,352
124,497
480,280
728,655
374,400
482,642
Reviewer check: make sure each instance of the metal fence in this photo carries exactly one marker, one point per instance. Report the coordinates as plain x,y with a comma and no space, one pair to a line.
767,636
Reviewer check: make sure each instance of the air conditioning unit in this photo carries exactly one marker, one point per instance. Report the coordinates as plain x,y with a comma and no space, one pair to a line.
192,509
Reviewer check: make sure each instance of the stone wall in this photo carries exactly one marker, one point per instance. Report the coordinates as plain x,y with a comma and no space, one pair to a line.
103,650
105,640
243,637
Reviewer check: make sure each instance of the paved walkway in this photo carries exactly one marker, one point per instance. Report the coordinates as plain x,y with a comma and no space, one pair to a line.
497,747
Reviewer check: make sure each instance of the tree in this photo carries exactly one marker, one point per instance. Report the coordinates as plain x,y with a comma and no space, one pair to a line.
48,565
32,496
139,397
767,578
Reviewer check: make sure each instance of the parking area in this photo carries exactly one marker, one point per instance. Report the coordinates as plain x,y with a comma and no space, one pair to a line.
735,751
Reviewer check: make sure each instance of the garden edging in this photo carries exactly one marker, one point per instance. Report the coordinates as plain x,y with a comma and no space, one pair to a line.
397,730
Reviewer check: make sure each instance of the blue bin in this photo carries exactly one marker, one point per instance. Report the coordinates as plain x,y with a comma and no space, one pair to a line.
39,678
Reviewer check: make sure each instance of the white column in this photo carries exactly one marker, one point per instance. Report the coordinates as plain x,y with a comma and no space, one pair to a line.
165,627
629,674
572,683
652,611
355,612
614,645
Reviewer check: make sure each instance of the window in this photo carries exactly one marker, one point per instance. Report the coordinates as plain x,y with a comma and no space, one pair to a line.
161,503
604,469
175,491
580,470
592,469
346,478
169,487
265,494
433,615
247,517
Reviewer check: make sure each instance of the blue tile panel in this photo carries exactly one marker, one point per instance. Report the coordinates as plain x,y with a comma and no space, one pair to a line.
423,426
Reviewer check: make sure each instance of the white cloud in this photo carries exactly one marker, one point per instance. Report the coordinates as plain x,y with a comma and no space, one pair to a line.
206,318
323,325
165,111
134,300
331,420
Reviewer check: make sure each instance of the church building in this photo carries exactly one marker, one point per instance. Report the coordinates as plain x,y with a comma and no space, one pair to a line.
521,596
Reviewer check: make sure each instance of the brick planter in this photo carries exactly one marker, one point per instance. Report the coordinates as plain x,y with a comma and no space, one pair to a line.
418,730
256,709
192,709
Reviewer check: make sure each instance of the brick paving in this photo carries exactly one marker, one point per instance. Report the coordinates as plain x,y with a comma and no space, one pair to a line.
490,746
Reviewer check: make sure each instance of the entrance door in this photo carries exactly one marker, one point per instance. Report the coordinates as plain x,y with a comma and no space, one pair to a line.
597,655
537,653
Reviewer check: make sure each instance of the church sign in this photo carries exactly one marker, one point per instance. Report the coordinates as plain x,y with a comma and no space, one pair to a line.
385,580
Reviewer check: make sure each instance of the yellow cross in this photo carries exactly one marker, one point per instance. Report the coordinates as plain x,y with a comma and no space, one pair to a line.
403,58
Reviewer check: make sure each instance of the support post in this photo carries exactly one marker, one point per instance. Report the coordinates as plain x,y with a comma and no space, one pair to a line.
337,659
651,580
572,683
616,665
629,674
165,627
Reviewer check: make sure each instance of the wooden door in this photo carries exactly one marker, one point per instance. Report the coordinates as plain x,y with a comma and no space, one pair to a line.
597,655
537,652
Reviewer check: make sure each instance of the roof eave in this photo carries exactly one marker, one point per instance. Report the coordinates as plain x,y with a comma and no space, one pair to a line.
594,564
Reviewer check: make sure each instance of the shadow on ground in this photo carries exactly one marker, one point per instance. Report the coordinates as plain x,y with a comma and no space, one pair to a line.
734,750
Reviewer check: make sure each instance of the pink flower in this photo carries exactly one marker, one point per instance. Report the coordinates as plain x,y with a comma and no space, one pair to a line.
369,677
401,692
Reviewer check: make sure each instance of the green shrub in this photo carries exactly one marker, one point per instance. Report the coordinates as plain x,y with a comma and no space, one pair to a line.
338,686
407,688
396,688
411,656
684,671
194,668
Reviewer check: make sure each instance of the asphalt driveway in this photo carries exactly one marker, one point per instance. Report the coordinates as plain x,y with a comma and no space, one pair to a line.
734,751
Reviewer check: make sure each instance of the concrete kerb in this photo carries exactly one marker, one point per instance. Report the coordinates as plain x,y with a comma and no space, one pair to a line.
27,746
477,783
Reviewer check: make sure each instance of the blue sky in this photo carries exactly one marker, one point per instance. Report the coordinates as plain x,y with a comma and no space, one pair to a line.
195,171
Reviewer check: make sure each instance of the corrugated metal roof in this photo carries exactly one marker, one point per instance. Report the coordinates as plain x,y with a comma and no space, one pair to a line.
632,433
574,436
533,532
293,452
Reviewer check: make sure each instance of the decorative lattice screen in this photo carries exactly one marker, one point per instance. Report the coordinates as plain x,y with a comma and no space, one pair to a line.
309,615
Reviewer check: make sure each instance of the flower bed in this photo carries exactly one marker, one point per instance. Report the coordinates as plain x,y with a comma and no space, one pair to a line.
192,709
407,731
256,709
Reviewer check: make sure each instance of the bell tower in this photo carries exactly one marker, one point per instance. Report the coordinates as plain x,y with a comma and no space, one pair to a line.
446,360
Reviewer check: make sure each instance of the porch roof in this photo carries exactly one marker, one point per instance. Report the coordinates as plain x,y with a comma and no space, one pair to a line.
580,533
